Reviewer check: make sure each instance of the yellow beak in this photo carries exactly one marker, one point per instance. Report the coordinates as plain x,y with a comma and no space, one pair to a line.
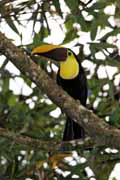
44,48
55,52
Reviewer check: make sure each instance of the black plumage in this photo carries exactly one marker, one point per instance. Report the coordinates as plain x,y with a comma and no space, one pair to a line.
77,88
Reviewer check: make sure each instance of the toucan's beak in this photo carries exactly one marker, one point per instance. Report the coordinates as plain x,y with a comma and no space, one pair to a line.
54,52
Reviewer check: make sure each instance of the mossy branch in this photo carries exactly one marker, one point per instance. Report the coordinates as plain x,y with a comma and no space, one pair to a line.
96,128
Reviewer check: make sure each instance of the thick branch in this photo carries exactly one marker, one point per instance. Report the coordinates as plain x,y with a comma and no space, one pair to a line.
95,127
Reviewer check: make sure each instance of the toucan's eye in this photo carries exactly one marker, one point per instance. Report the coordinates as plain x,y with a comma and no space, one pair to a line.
69,53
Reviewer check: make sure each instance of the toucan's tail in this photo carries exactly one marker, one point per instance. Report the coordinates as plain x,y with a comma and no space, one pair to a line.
72,130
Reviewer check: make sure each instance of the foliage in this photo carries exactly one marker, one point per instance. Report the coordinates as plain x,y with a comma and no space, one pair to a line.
31,114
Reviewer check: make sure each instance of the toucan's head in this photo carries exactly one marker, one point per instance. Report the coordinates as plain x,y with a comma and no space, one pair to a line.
69,66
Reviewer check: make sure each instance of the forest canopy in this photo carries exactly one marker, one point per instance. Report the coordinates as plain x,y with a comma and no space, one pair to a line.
31,122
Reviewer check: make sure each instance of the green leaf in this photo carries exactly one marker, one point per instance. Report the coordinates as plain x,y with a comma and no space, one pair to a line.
34,16
94,28
102,20
71,35
72,4
37,39
57,6
5,85
83,23
12,100
115,117
69,22
100,46
98,5
12,25
117,11
114,32
114,178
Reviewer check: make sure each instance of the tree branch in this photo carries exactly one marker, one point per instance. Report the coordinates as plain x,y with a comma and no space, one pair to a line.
43,145
102,133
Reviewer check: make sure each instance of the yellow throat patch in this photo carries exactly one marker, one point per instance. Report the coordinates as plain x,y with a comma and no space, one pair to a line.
69,69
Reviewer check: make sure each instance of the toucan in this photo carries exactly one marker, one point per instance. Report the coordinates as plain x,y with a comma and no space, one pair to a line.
71,77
